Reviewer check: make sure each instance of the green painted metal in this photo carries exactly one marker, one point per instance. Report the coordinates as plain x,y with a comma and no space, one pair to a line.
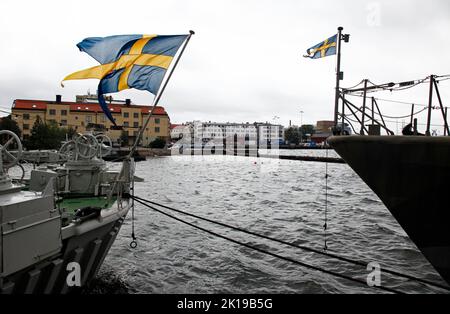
72,204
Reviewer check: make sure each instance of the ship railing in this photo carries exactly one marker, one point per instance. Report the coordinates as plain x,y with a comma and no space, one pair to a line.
368,119
123,183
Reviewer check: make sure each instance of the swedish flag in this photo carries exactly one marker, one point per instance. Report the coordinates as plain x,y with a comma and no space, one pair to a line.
324,49
128,61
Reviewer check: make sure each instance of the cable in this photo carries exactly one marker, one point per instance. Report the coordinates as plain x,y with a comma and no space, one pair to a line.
394,101
438,78
399,88
349,122
402,117
359,263
270,253
355,85
447,77
352,120
409,86
325,225
133,243
391,121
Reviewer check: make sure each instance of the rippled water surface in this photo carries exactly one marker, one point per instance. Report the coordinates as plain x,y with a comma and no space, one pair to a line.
278,198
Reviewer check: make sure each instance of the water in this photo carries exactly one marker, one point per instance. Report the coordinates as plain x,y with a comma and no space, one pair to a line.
282,199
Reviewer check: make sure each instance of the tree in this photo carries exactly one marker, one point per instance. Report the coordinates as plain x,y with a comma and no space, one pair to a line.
7,123
124,138
45,135
292,135
158,143
71,133
306,129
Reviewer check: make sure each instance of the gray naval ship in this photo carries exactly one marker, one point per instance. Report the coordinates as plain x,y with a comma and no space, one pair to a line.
57,227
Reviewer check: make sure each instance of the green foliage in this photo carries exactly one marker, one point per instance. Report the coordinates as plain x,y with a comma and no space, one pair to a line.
158,143
306,129
71,133
45,135
6,123
124,138
292,135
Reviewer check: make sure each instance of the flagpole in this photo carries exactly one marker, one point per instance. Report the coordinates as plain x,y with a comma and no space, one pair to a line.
338,76
158,96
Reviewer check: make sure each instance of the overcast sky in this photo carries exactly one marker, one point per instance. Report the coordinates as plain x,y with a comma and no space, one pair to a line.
244,63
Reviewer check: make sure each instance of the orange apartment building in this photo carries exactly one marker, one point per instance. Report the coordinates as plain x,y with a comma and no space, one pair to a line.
84,115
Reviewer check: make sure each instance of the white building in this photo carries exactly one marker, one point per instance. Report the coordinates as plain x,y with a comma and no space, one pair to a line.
207,131
177,131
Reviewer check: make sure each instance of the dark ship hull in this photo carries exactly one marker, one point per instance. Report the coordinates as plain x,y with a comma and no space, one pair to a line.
411,175
89,249
57,227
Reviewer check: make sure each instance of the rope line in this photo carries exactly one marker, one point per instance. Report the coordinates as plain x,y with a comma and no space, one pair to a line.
335,274
397,101
391,121
133,243
415,83
305,248
402,117
325,225
392,101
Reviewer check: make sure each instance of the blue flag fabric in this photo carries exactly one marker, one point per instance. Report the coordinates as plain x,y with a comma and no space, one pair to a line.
128,61
323,49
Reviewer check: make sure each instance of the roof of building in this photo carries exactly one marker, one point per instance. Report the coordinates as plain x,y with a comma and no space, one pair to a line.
173,125
29,104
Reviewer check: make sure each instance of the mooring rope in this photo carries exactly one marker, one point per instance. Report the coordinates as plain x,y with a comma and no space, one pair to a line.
325,225
133,243
305,248
329,272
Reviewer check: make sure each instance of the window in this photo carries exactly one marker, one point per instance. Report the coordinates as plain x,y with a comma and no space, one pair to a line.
63,122
136,115
26,116
64,112
103,118
52,112
125,123
157,129
126,115
88,119
26,136
157,121
26,126
136,124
